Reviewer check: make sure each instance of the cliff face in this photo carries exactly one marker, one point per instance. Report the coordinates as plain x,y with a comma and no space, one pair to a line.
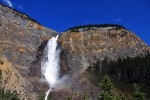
20,35
85,47
21,43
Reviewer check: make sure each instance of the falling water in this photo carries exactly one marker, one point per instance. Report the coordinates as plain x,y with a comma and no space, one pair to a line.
50,66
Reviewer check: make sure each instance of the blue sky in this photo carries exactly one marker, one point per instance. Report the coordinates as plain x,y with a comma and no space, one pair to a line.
62,14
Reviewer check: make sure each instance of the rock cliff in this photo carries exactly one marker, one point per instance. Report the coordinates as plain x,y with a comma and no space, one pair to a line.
85,46
22,41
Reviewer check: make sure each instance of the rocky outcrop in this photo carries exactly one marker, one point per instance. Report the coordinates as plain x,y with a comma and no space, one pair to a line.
20,35
85,47
21,44
11,79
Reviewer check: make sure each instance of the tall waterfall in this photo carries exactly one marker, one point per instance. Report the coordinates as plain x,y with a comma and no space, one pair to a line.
50,65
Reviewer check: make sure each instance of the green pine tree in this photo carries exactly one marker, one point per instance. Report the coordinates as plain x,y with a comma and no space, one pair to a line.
107,87
106,84
8,95
137,94
69,98
85,96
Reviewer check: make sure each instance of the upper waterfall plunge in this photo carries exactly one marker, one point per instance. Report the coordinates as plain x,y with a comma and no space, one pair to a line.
50,65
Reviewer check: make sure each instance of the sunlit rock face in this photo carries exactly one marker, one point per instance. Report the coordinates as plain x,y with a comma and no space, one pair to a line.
22,41
85,47
20,37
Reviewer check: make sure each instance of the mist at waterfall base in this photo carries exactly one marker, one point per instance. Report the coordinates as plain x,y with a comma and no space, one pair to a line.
50,66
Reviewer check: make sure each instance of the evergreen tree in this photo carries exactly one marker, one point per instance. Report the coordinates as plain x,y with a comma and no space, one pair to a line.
69,98
106,84
85,96
8,95
137,94
108,92
41,97
107,87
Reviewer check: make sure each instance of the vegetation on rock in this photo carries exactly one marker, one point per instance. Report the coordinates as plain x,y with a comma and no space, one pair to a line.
107,89
90,27
131,70
8,95
108,92
69,98
42,96
85,97
137,94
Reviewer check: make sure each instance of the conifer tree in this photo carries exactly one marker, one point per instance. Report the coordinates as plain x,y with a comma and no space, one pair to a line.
8,95
107,87
137,94
85,96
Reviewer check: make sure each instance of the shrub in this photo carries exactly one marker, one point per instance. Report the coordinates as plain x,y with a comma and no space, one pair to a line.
8,95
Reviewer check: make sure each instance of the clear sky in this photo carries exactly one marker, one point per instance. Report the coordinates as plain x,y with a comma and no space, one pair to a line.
62,14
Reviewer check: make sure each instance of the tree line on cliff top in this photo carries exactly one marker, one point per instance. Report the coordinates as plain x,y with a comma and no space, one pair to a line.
89,27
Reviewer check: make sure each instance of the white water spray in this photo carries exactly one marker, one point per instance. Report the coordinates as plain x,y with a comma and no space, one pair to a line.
50,67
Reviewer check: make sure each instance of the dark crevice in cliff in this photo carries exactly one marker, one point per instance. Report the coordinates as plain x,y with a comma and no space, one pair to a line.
35,68
64,67
1,62
41,50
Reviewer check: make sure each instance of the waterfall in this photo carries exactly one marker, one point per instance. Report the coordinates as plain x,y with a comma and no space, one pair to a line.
50,65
